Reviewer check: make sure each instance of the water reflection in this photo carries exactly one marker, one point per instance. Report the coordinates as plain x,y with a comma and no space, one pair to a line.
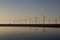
29,33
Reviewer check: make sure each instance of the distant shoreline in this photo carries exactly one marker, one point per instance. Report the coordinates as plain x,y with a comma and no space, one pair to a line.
31,25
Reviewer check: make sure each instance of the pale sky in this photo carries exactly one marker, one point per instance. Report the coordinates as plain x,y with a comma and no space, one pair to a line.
28,8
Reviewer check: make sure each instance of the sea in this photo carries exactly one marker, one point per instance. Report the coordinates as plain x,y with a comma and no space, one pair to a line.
29,33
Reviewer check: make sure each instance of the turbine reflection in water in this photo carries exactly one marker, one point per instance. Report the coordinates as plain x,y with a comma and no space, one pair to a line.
24,33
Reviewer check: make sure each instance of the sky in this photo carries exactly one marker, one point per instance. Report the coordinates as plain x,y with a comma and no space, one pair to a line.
28,8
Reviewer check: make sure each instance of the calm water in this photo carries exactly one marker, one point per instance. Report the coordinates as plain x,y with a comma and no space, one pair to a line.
29,33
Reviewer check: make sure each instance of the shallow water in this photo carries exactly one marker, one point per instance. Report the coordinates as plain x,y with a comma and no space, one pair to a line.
29,33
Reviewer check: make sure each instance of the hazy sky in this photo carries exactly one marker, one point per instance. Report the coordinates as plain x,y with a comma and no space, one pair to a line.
29,8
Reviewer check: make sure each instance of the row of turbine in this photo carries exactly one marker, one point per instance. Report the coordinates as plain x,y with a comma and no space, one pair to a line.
35,21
